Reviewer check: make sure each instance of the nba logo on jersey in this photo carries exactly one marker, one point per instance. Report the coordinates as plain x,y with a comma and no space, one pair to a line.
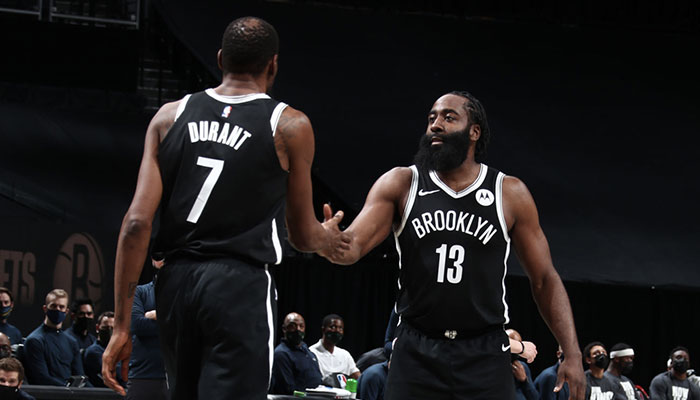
226,112
484,197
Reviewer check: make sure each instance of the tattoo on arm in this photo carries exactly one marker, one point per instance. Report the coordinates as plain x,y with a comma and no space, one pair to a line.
132,289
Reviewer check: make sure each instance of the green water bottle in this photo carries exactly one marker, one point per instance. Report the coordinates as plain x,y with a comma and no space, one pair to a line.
351,386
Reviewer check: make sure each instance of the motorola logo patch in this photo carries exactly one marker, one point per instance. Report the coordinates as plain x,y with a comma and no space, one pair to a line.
485,197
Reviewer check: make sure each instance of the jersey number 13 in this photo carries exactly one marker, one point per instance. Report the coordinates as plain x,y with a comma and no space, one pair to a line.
453,273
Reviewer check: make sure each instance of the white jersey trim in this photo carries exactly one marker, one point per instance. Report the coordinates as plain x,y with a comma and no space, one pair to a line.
271,326
275,118
504,229
503,283
456,195
409,201
181,106
499,206
276,242
244,98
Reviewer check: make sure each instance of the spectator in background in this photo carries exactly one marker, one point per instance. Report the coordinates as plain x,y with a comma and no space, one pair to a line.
674,384
371,384
621,364
5,346
93,354
6,305
11,379
547,379
51,356
522,378
83,320
146,368
331,358
598,386
295,367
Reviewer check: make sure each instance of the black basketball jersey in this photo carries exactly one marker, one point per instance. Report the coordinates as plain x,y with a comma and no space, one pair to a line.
453,249
223,187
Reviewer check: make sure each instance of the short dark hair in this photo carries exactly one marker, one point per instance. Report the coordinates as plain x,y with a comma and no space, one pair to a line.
11,364
7,291
328,318
677,348
75,307
590,346
477,115
248,44
106,314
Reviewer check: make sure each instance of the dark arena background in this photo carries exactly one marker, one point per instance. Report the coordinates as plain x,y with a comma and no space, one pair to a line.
593,104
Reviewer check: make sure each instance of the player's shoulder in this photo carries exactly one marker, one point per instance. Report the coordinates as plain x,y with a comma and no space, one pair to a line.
395,183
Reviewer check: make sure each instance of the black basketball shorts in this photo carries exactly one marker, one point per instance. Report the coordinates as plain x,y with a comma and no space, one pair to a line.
216,325
475,368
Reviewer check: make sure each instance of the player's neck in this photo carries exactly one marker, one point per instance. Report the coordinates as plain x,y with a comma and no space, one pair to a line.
241,84
614,372
461,177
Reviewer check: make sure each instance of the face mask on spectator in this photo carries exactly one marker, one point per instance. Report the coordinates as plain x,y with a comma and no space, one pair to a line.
626,367
601,360
105,334
294,338
5,312
82,324
55,316
681,365
334,337
9,392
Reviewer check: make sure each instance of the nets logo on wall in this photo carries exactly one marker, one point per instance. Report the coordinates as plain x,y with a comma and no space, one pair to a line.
79,268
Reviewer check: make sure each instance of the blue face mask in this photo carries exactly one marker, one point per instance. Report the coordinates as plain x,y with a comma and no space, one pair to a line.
55,316
5,312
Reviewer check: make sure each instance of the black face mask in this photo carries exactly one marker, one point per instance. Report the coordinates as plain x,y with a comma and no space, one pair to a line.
294,338
5,353
601,361
9,393
334,337
626,367
681,365
82,324
104,335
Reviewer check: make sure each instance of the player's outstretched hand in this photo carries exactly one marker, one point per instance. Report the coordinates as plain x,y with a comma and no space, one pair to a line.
339,242
530,351
118,349
571,371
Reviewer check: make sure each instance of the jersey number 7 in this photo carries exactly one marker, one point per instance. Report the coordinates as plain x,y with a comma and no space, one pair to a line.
216,167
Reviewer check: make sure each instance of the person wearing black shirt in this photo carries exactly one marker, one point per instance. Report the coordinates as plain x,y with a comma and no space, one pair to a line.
621,364
83,322
454,219
598,386
674,384
229,171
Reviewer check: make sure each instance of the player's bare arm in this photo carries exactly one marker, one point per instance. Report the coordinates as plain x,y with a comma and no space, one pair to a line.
132,246
547,288
294,142
383,207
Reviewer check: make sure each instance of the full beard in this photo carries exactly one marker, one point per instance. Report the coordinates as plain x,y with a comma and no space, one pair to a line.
442,157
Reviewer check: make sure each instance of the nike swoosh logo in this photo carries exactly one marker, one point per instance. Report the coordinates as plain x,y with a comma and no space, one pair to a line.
505,348
423,193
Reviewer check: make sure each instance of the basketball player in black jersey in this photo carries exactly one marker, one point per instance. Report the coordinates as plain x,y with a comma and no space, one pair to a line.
453,219
226,167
